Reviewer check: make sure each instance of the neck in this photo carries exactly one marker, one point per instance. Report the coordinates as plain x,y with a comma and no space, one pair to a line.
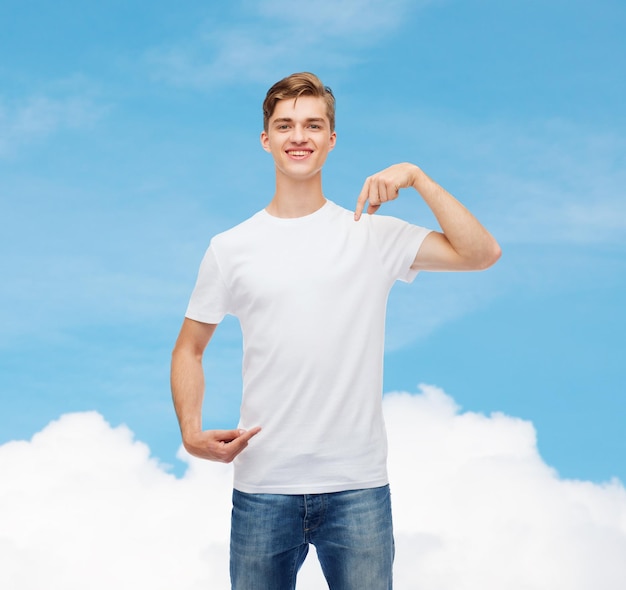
296,197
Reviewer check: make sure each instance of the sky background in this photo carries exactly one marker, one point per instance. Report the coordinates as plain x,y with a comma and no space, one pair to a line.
129,135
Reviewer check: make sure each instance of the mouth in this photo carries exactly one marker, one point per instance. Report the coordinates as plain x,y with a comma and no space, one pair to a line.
299,154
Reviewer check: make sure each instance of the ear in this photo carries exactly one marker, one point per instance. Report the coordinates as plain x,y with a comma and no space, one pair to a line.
332,140
265,141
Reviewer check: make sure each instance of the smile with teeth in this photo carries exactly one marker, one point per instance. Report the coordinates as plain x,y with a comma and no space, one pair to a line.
299,153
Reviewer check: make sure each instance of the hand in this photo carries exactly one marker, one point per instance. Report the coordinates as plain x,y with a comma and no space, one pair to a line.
384,186
218,445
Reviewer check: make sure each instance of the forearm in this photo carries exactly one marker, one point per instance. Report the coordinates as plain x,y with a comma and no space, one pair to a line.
475,246
187,383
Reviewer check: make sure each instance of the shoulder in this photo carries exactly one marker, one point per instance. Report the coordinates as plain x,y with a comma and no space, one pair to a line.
242,231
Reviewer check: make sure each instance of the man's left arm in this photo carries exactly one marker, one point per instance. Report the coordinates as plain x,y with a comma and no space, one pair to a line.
463,244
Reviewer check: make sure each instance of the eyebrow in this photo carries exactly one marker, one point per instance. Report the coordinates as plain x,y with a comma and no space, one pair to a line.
290,120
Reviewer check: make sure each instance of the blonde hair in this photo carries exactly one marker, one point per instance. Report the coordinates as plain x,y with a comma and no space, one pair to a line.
294,86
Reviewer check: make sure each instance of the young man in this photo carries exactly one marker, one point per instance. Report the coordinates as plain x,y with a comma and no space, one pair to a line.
309,282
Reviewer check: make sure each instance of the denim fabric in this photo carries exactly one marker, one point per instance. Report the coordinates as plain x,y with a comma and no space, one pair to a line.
351,531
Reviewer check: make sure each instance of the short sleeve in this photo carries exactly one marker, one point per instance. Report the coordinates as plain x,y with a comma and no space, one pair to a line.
209,301
397,243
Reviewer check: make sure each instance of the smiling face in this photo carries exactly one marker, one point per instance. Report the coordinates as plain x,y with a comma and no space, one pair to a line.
299,137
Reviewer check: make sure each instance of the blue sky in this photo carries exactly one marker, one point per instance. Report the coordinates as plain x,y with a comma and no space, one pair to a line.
129,136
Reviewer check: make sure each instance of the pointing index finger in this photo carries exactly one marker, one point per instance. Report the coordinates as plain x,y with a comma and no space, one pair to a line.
360,202
246,435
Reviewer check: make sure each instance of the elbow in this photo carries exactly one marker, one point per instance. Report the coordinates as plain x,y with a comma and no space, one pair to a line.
482,257
489,257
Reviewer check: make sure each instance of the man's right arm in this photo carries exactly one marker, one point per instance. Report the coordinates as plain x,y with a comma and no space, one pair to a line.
187,381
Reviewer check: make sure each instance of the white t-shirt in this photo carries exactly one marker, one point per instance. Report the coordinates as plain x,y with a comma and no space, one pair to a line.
310,294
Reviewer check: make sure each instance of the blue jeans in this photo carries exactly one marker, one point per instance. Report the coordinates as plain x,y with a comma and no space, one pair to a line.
351,531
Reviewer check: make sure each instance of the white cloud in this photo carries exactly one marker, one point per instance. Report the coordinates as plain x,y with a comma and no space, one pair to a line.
281,37
83,505
476,507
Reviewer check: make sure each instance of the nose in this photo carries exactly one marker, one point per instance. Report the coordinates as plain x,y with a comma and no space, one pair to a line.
297,134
